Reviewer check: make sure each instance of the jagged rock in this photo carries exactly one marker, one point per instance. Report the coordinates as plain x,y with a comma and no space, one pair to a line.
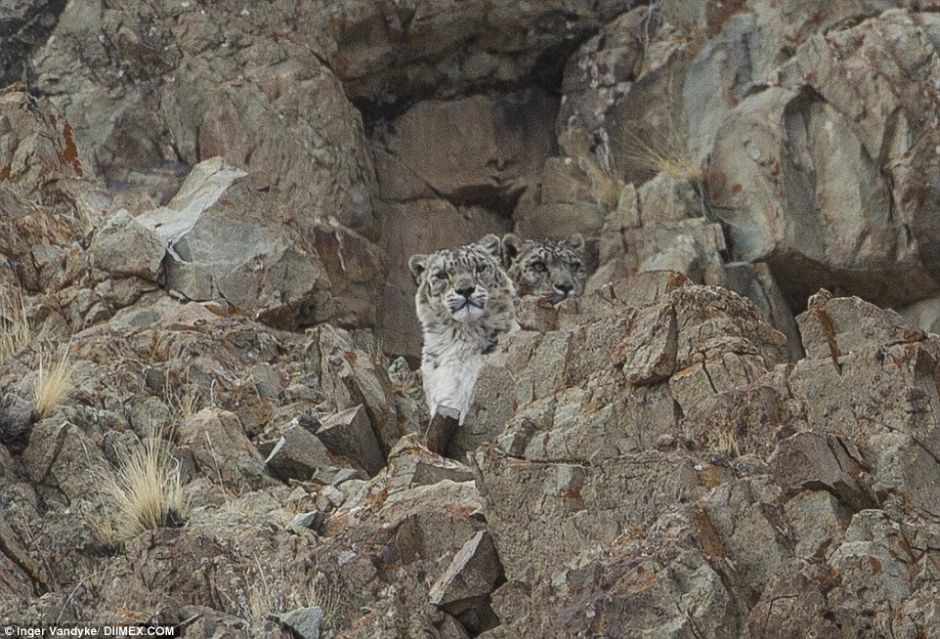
298,454
125,247
470,577
800,224
719,351
651,458
441,430
870,373
16,418
312,520
651,352
193,98
221,450
744,521
349,433
60,456
818,520
905,469
489,168
791,603
349,369
411,464
220,245
842,325
303,622
750,418
874,568
757,283
813,461
383,51
19,571
572,506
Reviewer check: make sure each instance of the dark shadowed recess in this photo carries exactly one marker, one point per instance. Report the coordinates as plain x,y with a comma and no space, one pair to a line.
546,74
21,34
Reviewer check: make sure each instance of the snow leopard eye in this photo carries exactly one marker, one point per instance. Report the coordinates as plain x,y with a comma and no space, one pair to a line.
440,275
538,267
577,265
481,268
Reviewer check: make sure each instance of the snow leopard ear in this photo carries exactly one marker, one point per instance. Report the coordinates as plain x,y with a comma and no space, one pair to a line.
417,265
576,242
491,244
512,246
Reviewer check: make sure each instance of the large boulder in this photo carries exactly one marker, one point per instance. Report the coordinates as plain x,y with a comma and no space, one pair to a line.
833,184
146,88
230,237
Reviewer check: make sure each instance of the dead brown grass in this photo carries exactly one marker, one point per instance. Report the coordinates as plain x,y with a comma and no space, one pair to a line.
726,441
145,491
15,330
54,382
658,143
663,150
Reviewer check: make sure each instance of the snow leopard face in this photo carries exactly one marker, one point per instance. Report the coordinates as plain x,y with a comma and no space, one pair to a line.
550,269
465,284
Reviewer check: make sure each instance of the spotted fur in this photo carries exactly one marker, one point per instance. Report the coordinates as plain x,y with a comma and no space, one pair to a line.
550,269
464,302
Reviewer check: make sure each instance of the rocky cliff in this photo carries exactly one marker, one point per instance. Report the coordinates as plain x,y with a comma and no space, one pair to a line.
208,413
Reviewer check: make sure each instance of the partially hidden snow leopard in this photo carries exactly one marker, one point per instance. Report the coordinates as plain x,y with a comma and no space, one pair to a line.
464,302
550,269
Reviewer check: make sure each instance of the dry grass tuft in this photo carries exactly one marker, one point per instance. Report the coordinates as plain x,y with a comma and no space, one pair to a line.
658,144
265,594
145,490
53,383
726,441
663,150
15,331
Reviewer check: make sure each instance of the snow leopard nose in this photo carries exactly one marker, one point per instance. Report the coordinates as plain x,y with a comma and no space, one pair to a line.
564,288
466,291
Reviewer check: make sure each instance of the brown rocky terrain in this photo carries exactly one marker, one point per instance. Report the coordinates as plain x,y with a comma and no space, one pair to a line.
206,211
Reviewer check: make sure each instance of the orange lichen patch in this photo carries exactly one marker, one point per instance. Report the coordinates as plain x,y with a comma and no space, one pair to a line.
351,357
708,535
710,476
857,468
875,564
5,173
571,493
69,155
737,188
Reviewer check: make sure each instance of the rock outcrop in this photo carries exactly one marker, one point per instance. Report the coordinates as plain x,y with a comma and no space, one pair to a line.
209,415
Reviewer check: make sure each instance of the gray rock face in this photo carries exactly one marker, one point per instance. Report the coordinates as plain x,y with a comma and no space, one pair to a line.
786,198
298,454
125,246
470,578
303,622
349,433
213,206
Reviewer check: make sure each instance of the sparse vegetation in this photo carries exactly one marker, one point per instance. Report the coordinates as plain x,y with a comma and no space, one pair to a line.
265,594
658,143
145,491
15,330
663,150
53,383
183,398
727,442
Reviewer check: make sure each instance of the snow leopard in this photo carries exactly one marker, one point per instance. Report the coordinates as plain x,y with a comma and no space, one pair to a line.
464,303
550,269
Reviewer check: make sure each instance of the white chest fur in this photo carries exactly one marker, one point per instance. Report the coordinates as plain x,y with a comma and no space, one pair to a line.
449,367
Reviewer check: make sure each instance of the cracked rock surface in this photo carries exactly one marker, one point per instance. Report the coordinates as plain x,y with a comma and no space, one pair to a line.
206,212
